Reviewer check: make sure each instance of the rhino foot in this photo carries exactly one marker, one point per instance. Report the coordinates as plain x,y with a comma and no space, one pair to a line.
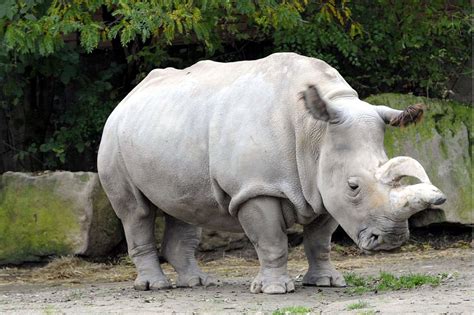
324,278
272,285
196,279
151,283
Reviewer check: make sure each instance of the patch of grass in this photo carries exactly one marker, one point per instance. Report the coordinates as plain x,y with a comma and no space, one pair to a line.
357,284
391,282
388,282
338,248
357,305
51,310
462,244
290,310
368,312
346,250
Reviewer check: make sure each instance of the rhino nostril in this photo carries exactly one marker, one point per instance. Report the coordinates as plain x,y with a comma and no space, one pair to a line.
374,238
439,201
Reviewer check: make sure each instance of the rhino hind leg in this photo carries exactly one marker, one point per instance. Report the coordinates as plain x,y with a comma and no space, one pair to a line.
263,222
317,246
178,247
137,214
139,227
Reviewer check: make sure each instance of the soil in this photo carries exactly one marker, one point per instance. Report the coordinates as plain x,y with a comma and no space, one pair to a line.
39,290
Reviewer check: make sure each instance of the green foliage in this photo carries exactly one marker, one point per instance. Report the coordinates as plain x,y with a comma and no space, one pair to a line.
81,124
290,310
38,27
66,64
357,305
38,43
317,38
415,46
389,282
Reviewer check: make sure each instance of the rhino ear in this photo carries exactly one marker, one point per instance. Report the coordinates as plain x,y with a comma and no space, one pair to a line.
316,104
411,114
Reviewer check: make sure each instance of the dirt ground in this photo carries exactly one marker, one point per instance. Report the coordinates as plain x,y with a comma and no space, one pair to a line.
72,286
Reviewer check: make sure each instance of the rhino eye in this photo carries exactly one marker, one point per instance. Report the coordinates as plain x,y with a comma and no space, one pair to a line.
353,183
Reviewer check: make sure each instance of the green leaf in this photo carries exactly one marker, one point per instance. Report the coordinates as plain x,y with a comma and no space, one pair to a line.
30,17
45,147
80,147
8,9
68,72
90,36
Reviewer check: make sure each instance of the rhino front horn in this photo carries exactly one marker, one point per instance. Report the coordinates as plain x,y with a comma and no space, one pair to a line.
407,200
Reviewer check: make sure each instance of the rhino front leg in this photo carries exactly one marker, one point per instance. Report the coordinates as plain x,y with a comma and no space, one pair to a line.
262,220
317,246
178,248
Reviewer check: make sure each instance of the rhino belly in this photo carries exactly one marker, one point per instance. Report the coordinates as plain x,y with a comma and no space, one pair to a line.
165,151
182,189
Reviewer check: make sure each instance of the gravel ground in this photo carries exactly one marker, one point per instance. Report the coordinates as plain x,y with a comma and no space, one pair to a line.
22,294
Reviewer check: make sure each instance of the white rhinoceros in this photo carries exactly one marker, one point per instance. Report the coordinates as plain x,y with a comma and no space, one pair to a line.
256,146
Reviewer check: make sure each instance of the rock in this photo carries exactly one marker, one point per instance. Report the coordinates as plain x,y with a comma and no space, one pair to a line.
462,86
226,241
55,213
210,240
218,240
442,143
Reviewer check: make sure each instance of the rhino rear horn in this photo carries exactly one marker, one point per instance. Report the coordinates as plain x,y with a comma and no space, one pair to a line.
410,115
401,118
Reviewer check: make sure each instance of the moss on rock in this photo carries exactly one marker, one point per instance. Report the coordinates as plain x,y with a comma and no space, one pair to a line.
55,213
34,223
443,144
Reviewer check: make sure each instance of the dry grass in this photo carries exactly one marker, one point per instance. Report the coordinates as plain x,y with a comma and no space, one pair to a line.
70,269
230,266
73,268
76,270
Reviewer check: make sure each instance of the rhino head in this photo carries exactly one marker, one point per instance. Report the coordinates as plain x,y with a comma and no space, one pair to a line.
359,186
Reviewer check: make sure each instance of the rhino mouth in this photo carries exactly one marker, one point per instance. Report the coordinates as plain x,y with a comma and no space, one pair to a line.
373,239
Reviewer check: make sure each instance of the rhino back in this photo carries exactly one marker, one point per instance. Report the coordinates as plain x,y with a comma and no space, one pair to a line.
203,140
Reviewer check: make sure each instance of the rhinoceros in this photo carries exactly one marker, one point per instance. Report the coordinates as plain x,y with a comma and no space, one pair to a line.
256,146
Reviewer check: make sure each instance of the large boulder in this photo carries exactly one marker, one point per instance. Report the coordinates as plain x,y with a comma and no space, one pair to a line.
442,143
210,240
55,213
223,241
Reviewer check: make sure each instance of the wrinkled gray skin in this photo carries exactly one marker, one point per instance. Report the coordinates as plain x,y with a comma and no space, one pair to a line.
250,146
